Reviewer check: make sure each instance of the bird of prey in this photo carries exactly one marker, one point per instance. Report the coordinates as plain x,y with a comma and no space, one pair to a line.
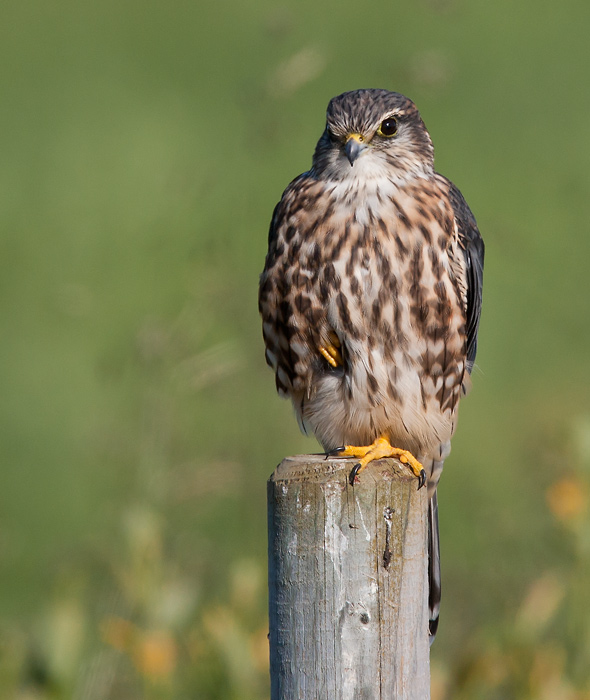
371,295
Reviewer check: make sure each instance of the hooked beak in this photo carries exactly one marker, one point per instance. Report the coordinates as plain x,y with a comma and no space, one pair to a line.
355,145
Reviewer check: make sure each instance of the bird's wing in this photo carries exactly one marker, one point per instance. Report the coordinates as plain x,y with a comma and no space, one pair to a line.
472,247
277,298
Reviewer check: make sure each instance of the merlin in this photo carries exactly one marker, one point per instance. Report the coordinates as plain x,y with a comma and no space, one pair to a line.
371,295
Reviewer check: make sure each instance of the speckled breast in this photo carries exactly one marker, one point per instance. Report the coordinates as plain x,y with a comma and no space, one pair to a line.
373,267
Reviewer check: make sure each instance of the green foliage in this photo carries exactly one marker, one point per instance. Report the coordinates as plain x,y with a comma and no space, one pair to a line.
143,149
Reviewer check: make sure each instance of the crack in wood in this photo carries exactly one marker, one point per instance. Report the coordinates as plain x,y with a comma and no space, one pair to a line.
387,554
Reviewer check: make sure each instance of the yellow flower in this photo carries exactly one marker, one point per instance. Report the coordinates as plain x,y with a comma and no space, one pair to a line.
567,498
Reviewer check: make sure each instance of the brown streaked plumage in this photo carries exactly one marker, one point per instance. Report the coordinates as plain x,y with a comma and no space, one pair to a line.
371,292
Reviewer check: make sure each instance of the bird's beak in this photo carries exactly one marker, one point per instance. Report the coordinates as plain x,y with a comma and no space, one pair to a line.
355,145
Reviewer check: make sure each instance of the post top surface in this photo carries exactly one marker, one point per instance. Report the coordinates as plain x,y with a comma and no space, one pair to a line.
316,467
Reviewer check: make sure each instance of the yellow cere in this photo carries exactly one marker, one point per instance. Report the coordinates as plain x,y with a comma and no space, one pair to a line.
355,137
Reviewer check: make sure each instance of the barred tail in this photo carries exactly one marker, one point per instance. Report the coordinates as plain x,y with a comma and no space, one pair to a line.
433,566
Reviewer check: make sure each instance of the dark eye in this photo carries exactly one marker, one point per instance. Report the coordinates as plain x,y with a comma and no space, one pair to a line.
388,127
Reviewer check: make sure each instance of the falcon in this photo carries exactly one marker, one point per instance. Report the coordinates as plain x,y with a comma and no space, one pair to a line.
371,295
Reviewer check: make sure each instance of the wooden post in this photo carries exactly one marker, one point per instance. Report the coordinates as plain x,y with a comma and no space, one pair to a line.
348,582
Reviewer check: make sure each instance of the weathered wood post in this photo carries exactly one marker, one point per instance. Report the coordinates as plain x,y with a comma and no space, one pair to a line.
347,582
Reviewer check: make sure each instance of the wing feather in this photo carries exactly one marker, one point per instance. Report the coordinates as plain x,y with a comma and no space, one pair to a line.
472,247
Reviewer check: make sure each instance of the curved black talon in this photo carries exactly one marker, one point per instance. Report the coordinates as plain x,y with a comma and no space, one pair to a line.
421,479
335,452
353,473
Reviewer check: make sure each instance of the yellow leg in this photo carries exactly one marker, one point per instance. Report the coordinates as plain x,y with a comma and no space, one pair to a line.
331,351
331,354
378,450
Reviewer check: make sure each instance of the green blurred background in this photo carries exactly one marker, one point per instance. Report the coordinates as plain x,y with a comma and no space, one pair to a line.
142,149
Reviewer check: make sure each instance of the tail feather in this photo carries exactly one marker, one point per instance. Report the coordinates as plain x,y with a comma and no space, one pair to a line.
433,566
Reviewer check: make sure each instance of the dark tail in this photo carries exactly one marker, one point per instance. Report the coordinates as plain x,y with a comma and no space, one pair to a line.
433,566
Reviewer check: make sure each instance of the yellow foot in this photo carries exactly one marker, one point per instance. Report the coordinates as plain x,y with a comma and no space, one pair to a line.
331,350
379,449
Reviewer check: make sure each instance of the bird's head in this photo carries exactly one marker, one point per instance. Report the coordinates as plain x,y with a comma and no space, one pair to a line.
373,134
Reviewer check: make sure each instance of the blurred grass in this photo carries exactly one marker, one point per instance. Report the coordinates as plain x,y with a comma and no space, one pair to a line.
143,148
